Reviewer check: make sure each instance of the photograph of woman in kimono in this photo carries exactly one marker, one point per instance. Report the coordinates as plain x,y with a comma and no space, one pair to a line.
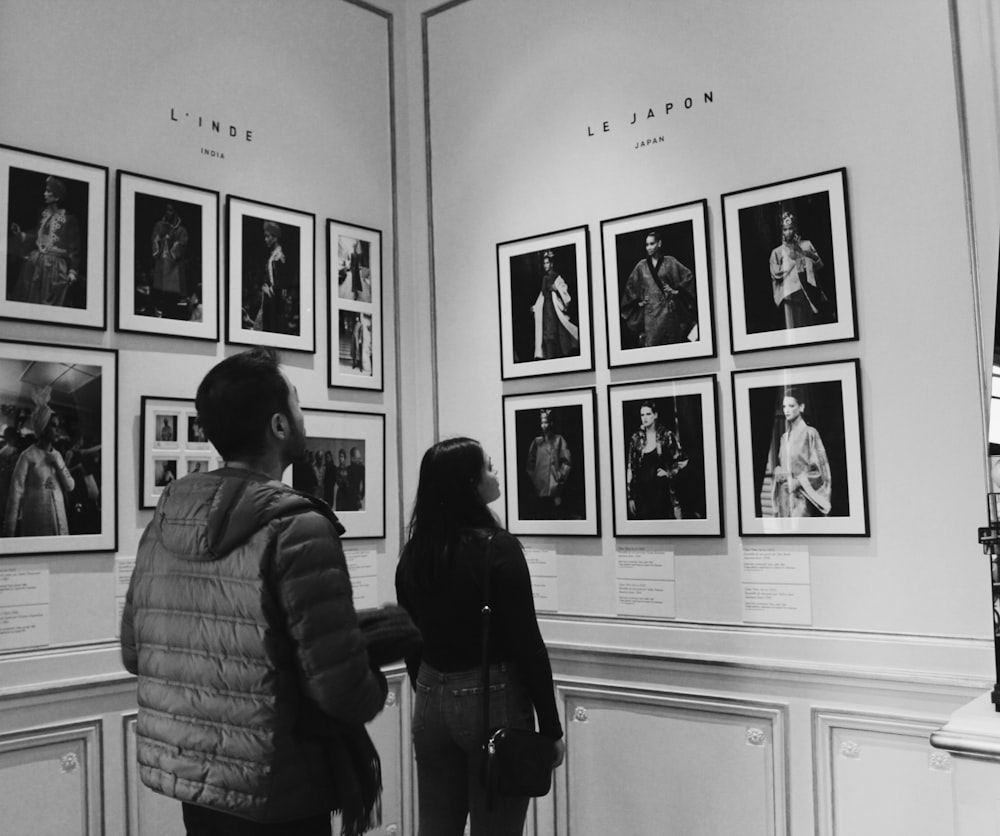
36,504
655,458
797,481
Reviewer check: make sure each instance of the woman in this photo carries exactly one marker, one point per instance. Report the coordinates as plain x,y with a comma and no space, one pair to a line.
798,469
454,540
36,506
655,458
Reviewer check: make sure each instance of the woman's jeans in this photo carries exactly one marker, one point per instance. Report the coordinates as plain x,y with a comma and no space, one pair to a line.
448,740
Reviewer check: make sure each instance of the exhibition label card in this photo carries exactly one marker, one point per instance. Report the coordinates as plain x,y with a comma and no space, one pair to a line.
646,598
360,563
777,603
22,627
546,593
365,592
124,566
767,564
23,584
645,563
541,561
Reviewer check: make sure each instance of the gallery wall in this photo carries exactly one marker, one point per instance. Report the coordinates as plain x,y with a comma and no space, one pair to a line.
529,112
123,84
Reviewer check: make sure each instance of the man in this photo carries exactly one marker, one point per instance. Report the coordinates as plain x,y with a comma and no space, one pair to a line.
356,479
169,245
794,263
659,303
556,334
53,260
272,315
254,681
548,467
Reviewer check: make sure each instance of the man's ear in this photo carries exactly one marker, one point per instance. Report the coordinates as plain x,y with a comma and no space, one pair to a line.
279,425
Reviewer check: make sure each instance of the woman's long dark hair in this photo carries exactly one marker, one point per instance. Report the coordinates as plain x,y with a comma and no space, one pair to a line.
447,500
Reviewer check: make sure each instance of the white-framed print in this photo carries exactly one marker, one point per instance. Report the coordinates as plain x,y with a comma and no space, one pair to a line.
666,476
550,463
545,313
271,275
658,283
168,258
800,459
354,321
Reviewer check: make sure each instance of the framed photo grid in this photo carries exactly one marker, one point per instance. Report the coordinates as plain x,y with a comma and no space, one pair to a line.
345,466
545,313
172,445
550,463
55,247
788,258
800,450
659,286
354,323
271,275
58,411
168,258
666,475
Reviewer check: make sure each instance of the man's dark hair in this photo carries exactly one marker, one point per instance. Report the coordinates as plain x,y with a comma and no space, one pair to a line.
236,400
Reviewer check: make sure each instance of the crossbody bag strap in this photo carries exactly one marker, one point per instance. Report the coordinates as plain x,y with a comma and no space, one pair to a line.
486,612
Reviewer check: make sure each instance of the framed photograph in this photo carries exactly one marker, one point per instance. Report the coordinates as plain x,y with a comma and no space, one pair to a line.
173,445
545,315
345,466
58,477
271,276
168,258
665,458
658,285
550,463
788,259
800,455
354,324
55,247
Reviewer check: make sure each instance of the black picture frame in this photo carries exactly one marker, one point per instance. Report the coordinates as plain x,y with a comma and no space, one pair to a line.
171,445
79,386
536,324
354,316
168,258
797,292
821,487
55,241
568,503
361,437
674,490
285,317
669,316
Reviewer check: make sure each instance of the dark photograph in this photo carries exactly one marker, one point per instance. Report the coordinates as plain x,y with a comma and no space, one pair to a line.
47,239
333,470
167,258
657,290
789,264
51,456
544,307
665,459
271,295
354,343
552,465
799,451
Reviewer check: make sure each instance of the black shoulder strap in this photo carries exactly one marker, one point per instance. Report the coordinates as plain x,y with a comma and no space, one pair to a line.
487,612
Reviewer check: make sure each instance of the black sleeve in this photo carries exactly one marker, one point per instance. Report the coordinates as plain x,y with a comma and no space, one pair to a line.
514,607
412,659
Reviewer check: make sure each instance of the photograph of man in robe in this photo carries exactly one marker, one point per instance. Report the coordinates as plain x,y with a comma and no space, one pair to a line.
789,269
46,239
168,266
271,291
799,452
544,304
551,464
658,302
